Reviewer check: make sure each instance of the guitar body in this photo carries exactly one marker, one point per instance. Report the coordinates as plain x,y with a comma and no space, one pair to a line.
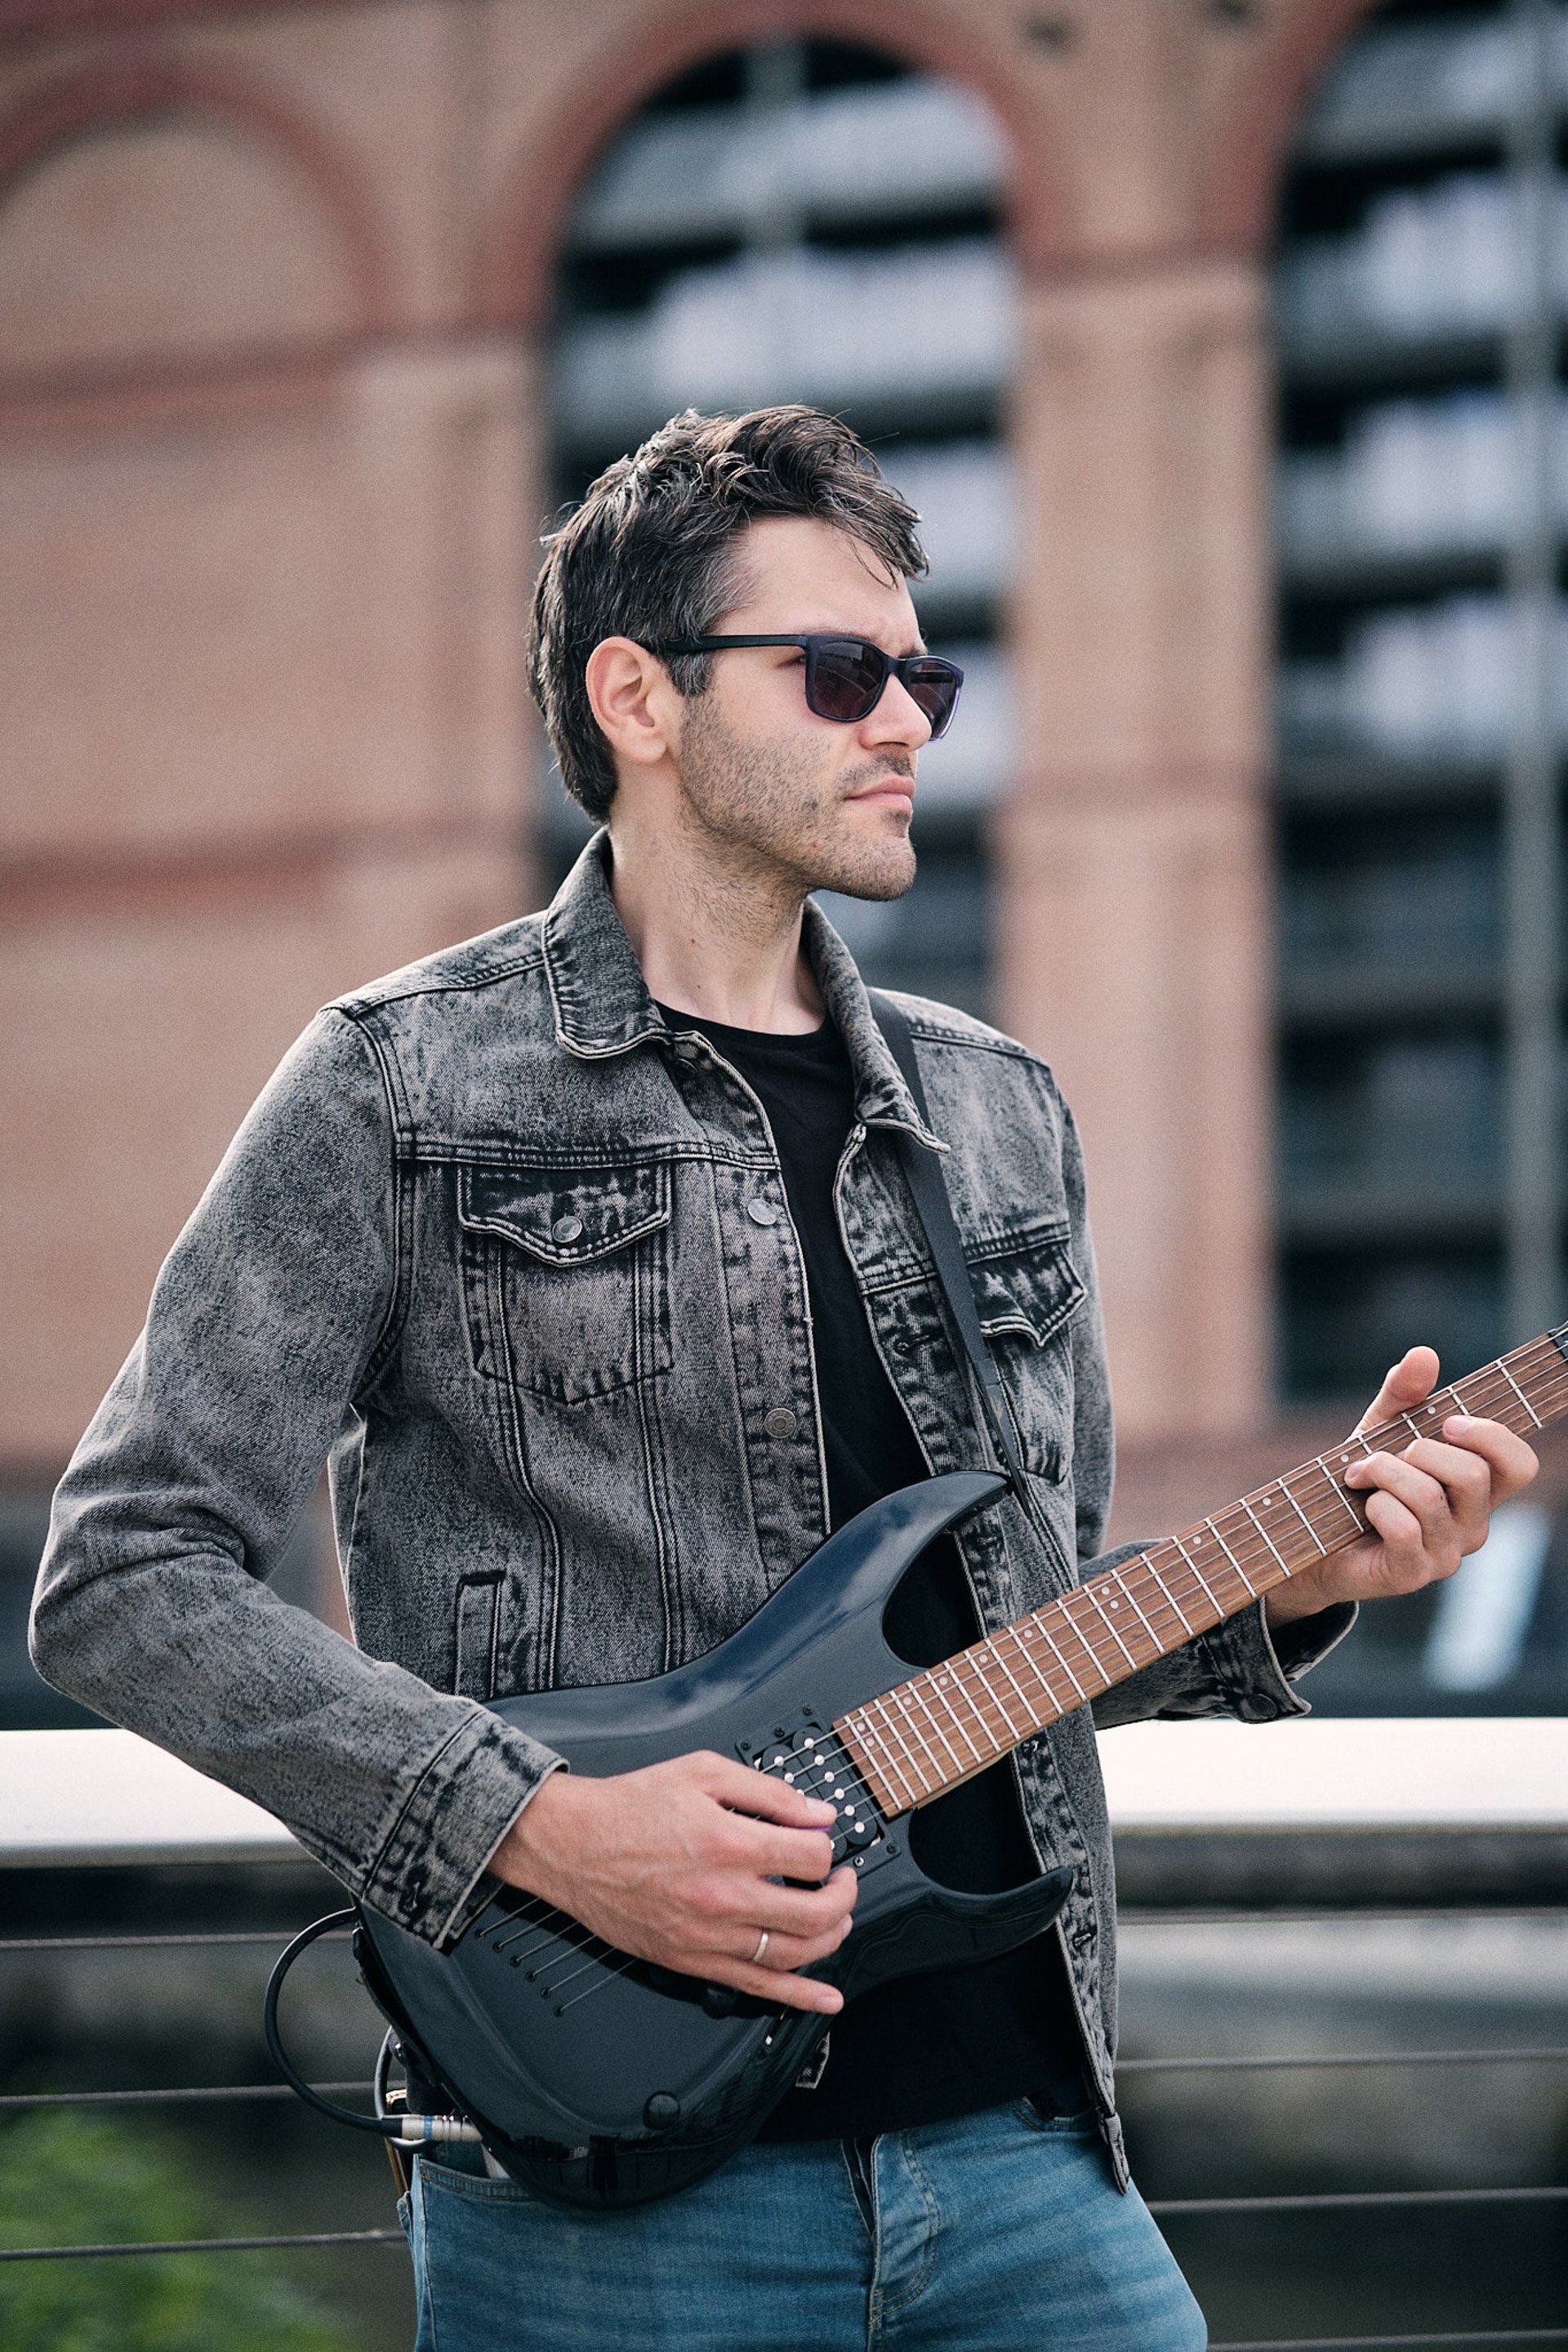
602,2081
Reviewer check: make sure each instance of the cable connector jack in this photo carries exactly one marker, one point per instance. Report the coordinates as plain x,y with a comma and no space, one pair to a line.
434,2131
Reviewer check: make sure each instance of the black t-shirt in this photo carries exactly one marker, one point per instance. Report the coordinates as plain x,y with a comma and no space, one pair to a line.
952,2041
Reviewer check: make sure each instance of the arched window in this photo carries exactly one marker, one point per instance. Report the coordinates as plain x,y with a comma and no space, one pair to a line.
1422,274
813,221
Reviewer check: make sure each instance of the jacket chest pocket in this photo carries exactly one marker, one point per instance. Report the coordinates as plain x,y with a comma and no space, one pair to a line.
1027,1290
565,1277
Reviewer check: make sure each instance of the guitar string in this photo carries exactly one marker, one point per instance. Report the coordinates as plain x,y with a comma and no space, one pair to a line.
1245,1542
819,1766
822,1763
1551,1394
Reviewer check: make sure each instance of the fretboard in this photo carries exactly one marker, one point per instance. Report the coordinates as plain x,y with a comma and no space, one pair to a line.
955,1719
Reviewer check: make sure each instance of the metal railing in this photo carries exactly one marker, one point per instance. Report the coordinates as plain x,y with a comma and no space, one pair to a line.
241,2093
233,1839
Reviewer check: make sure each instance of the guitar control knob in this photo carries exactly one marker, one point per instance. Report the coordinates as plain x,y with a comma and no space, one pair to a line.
662,2111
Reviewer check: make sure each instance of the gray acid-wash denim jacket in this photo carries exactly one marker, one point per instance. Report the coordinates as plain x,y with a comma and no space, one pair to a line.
483,1245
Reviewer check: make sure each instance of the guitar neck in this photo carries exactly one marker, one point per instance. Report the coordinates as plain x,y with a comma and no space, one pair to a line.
955,1719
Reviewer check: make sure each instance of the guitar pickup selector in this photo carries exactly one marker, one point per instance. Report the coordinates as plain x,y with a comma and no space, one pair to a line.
812,1760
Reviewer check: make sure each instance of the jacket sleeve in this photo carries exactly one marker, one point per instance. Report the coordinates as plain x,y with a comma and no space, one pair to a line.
267,1325
1243,1667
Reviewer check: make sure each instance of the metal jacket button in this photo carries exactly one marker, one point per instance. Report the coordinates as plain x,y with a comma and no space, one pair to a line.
567,1229
781,1422
761,1212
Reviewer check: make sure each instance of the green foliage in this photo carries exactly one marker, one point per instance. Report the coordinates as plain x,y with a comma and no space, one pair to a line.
66,2178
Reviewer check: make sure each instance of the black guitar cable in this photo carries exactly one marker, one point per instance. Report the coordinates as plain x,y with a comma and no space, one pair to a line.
410,2130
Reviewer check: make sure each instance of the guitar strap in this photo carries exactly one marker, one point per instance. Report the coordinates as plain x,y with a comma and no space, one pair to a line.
928,1186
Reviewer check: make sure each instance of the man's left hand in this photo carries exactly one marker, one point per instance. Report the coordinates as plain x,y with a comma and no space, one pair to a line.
1428,1505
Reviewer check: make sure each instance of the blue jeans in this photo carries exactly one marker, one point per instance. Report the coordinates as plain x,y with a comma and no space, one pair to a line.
1000,2232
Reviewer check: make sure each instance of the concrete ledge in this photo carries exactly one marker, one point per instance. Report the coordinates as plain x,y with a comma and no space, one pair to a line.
1472,1773
77,1800
84,1799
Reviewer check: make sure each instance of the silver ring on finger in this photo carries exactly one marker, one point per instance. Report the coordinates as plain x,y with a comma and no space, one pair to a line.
761,1952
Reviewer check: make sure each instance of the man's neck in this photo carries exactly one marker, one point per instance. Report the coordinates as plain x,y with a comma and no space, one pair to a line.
725,947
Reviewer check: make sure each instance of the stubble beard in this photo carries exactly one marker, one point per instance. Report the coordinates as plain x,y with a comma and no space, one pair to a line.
767,810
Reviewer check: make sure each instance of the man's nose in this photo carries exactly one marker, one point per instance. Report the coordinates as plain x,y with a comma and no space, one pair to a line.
896,718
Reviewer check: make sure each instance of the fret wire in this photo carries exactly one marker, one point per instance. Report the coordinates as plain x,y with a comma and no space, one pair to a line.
1552,1363
854,1732
965,1662
989,1692
1064,1616
1122,1579
1030,1711
1008,1737
1472,1380
1474,1395
978,1698
942,1680
961,1661
880,1749
1202,1580
1300,1514
1340,1497
1029,1660
1231,1556
1050,1639
1518,1392
896,1698
1069,1605
1163,1584
1106,1619
886,1733
889,1729
917,1694
1160,1572
1285,1568
1556,1383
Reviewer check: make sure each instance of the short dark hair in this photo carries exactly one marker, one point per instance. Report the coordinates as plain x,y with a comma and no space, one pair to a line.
650,553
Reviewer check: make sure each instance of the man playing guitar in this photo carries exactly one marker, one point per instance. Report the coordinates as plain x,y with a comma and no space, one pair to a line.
581,1251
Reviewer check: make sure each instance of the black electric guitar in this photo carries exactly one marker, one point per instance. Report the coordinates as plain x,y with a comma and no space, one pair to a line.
599,2080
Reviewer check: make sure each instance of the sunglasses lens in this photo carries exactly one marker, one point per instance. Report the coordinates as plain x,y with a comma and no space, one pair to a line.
845,680
933,686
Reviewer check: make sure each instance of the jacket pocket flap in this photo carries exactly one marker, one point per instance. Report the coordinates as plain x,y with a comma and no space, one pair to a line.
1027,1283
564,1216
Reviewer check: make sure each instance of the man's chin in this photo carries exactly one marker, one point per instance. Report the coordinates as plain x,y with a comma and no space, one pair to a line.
880,869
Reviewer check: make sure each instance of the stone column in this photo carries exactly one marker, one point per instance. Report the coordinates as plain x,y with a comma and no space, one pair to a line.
1131,858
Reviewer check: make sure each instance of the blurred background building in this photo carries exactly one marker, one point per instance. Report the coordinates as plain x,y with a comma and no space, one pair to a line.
1219,344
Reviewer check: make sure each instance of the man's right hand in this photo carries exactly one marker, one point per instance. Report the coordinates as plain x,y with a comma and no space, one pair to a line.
679,1862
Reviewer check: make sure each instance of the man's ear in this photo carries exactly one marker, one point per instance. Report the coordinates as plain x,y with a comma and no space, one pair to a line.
633,700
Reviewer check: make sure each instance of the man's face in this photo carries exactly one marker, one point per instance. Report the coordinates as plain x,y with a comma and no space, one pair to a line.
822,804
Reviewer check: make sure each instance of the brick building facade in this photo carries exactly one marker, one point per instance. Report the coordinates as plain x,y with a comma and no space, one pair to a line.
275,289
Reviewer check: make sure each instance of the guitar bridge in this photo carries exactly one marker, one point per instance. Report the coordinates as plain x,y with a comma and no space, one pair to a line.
817,1762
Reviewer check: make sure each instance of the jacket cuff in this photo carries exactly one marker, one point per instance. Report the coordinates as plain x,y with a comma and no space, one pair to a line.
431,1863
1255,1665
484,1884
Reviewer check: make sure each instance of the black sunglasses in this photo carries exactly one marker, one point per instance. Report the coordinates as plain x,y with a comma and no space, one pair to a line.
845,676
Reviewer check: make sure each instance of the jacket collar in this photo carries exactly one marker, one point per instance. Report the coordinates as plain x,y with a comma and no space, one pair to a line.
603,1006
